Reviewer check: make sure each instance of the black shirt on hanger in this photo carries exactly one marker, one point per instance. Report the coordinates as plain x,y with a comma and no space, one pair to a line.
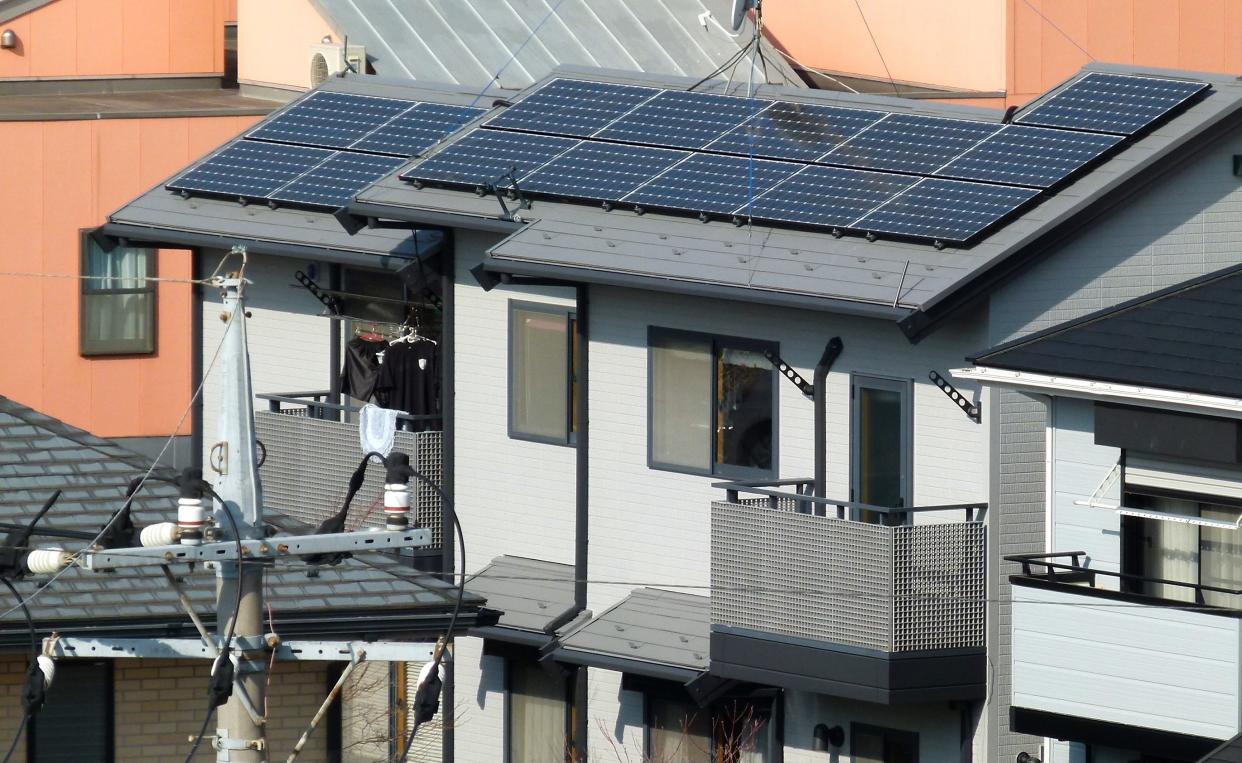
362,367
409,380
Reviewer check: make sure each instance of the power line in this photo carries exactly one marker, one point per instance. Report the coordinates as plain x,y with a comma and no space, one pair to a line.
876,45
70,276
1063,33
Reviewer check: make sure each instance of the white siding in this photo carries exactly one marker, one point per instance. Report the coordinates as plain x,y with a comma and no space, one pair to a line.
479,704
614,719
1155,667
1079,466
937,725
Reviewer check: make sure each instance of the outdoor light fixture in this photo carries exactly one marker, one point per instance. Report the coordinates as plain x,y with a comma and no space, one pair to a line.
824,737
8,39
327,39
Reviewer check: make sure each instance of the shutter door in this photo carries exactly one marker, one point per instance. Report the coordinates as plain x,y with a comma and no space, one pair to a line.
75,723
1183,477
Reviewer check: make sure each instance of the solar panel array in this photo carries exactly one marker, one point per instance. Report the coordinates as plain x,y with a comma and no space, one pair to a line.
323,150
905,175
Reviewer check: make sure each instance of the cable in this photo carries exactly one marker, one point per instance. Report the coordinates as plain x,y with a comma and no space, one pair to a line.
34,654
876,45
1059,29
202,732
17,737
144,279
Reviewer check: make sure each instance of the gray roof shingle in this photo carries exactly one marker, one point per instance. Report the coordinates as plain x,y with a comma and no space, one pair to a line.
530,592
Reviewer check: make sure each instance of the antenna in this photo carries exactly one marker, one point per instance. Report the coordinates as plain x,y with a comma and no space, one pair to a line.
739,12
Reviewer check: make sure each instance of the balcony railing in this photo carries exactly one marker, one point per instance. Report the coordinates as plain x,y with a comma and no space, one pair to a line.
793,564
312,447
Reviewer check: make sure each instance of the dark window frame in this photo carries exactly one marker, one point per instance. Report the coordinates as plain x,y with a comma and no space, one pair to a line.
570,314
509,664
654,334
89,287
775,714
885,732
859,380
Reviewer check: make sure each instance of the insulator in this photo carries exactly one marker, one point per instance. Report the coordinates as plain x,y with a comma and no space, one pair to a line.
162,534
190,519
48,667
396,506
45,561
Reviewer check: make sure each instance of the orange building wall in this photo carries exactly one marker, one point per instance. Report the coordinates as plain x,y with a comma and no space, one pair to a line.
62,177
110,38
274,39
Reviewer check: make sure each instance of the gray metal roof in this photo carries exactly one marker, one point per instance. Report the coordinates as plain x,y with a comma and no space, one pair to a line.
1187,338
663,634
469,41
532,594
1229,752
151,103
11,9
39,454
812,269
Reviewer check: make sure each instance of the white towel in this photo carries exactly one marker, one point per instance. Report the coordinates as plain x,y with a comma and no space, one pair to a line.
376,428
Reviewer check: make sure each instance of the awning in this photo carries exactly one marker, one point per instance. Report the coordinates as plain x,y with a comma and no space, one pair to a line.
536,597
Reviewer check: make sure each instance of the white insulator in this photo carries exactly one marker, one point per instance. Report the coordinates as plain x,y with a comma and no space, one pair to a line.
190,519
45,561
48,667
396,506
162,534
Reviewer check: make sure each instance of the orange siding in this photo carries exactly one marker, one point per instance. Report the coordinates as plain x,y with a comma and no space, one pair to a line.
274,38
109,38
73,174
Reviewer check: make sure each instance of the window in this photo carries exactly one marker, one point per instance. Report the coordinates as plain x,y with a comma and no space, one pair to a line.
75,723
872,744
711,404
1179,551
731,731
539,707
117,313
543,364
881,445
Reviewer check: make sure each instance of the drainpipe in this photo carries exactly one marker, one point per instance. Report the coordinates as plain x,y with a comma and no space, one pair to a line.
820,383
581,506
448,281
334,345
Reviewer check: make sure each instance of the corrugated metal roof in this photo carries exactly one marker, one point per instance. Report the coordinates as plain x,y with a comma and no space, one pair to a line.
530,592
1186,338
649,629
469,41
39,454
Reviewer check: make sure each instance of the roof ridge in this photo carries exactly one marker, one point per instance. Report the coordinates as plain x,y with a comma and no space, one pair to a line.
39,420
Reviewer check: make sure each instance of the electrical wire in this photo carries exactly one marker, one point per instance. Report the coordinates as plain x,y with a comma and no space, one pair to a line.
17,737
70,276
1060,30
876,45
202,732
34,654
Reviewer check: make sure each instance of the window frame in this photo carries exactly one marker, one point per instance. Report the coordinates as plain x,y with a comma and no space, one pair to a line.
884,732
656,690
109,713
654,334
905,388
515,662
95,349
570,314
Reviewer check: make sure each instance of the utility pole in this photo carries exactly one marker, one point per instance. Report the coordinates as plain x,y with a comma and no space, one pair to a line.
240,736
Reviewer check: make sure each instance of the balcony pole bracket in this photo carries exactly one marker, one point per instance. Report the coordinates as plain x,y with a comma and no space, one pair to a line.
972,411
789,373
329,301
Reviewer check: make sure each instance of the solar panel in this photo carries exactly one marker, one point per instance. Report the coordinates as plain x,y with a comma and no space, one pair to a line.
800,131
680,119
571,107
327,119
711,183
414,131
600,171
1115,103
828,196
909,143
1034,156
945,210
334,181
484,155
248,168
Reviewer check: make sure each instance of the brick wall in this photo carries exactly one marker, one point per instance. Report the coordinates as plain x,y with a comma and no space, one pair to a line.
12,673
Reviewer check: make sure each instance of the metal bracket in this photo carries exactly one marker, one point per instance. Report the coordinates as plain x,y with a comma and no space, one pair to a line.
279,547
971,410
787,371
286,651
328,300
495,188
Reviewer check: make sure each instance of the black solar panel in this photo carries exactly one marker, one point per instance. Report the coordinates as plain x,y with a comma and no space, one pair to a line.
945,210
828,196
247,168
1115,103
337,179
331,120
600,171
1033,156
571,107
414,131
484,155
711,183
680,119
909,143
800,131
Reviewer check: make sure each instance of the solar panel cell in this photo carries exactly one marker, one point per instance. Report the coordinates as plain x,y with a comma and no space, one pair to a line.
571,107
1116,103
909,143
711,183
945,210
799,131
828,196
600,171
336,180
328,119
483,156
414,131
247,168
1032,156
680,119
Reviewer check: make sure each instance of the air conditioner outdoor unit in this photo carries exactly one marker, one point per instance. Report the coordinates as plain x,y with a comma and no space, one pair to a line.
328,59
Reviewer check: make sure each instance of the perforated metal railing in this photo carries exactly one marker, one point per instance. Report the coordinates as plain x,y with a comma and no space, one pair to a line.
310,459
895,589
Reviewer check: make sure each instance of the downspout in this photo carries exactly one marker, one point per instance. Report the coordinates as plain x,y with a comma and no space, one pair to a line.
820,384
334,344
582,506
196,359
448,282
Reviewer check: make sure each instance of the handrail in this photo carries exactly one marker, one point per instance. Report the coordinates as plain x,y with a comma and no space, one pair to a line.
1077,570
760,487
299,398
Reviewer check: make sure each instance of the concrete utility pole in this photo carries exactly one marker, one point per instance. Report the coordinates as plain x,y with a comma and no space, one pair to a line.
240,736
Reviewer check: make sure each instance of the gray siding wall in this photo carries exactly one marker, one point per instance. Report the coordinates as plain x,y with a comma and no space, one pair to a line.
1017,526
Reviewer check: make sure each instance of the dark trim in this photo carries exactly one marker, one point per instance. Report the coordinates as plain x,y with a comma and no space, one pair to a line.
370,209
1089,731
1169,433
492,264
580,395
149,345
884,731
448,436
1134,598
335,722
334,341
196,358
992,276
563,311
570,656
513,636
862,380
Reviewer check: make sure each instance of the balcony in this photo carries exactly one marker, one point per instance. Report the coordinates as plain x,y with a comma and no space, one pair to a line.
806,598
1096,664
311,449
